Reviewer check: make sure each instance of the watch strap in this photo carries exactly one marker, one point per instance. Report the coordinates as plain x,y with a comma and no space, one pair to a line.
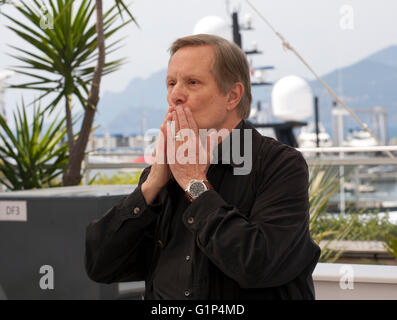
207,184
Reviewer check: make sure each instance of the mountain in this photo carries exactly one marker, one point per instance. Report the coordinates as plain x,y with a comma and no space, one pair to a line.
386,56
140,106
369,82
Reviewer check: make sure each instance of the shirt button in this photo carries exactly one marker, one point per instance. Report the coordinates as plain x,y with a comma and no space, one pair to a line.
190,220
136,210
160,243
187,258
187,293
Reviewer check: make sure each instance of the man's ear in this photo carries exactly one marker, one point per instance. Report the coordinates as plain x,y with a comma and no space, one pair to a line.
234,96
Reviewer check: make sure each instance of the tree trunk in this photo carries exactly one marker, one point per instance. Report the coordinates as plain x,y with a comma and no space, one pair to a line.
69,122
72,175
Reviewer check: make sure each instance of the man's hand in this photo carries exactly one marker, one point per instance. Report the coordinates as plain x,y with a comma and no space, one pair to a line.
184,156
159,172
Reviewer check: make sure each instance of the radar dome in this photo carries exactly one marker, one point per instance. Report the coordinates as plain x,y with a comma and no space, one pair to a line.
213,25
292,99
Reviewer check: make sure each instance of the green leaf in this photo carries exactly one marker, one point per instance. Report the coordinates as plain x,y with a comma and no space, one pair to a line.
32,157
63,58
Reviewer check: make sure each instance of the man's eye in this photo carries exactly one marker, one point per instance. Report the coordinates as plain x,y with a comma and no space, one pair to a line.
170,84
193,82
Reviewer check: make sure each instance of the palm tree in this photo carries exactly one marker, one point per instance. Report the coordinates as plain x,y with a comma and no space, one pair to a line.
69,60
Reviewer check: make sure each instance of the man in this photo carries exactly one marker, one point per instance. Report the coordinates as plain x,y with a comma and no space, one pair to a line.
197,229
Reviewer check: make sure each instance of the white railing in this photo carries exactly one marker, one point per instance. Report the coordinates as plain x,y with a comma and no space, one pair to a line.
311,160
332,281
348,149
323,157
335,281
335,156
307,153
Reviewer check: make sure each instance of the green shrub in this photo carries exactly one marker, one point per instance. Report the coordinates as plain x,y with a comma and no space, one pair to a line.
32,157
391,245
118,178
370,227
324,182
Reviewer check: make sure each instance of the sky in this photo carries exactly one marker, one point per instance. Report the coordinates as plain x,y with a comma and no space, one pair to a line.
328,33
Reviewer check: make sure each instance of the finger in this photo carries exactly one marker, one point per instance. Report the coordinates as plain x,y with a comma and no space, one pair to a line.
169,130
164,125
168,115
190,119
181,117
163,131
170,144
178,143
160,149
167,118
193,129
174,118
163,128
170,109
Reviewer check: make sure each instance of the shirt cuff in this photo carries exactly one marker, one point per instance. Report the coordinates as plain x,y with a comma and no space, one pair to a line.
201,208
135,206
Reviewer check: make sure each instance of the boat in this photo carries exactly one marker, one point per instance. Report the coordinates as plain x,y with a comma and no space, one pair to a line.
307,138
359,138
362,188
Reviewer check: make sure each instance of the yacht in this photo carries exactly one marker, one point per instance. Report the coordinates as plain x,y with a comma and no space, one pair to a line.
359,138
307,138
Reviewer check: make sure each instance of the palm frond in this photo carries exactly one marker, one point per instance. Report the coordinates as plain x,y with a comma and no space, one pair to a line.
32,156
63,58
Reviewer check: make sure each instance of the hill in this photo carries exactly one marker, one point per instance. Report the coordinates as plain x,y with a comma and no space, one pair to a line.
369,82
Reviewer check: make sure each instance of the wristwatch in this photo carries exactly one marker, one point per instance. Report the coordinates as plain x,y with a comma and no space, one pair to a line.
196,187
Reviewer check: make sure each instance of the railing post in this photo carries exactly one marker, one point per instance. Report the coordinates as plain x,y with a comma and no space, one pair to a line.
342,202
357,183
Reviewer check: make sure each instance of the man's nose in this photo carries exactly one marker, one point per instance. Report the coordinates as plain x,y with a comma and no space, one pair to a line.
178,94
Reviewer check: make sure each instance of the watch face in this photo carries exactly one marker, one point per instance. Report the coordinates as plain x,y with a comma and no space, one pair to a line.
197,188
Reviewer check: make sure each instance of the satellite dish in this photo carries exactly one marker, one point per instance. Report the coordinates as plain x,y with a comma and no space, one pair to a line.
247,21
292,99
214,25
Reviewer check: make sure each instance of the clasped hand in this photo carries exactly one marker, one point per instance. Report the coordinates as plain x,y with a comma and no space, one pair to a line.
186,157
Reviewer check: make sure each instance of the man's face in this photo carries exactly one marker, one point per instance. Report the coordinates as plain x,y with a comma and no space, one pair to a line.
190,83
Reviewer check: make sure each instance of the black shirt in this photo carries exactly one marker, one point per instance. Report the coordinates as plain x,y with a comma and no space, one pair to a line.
246,239
171,276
